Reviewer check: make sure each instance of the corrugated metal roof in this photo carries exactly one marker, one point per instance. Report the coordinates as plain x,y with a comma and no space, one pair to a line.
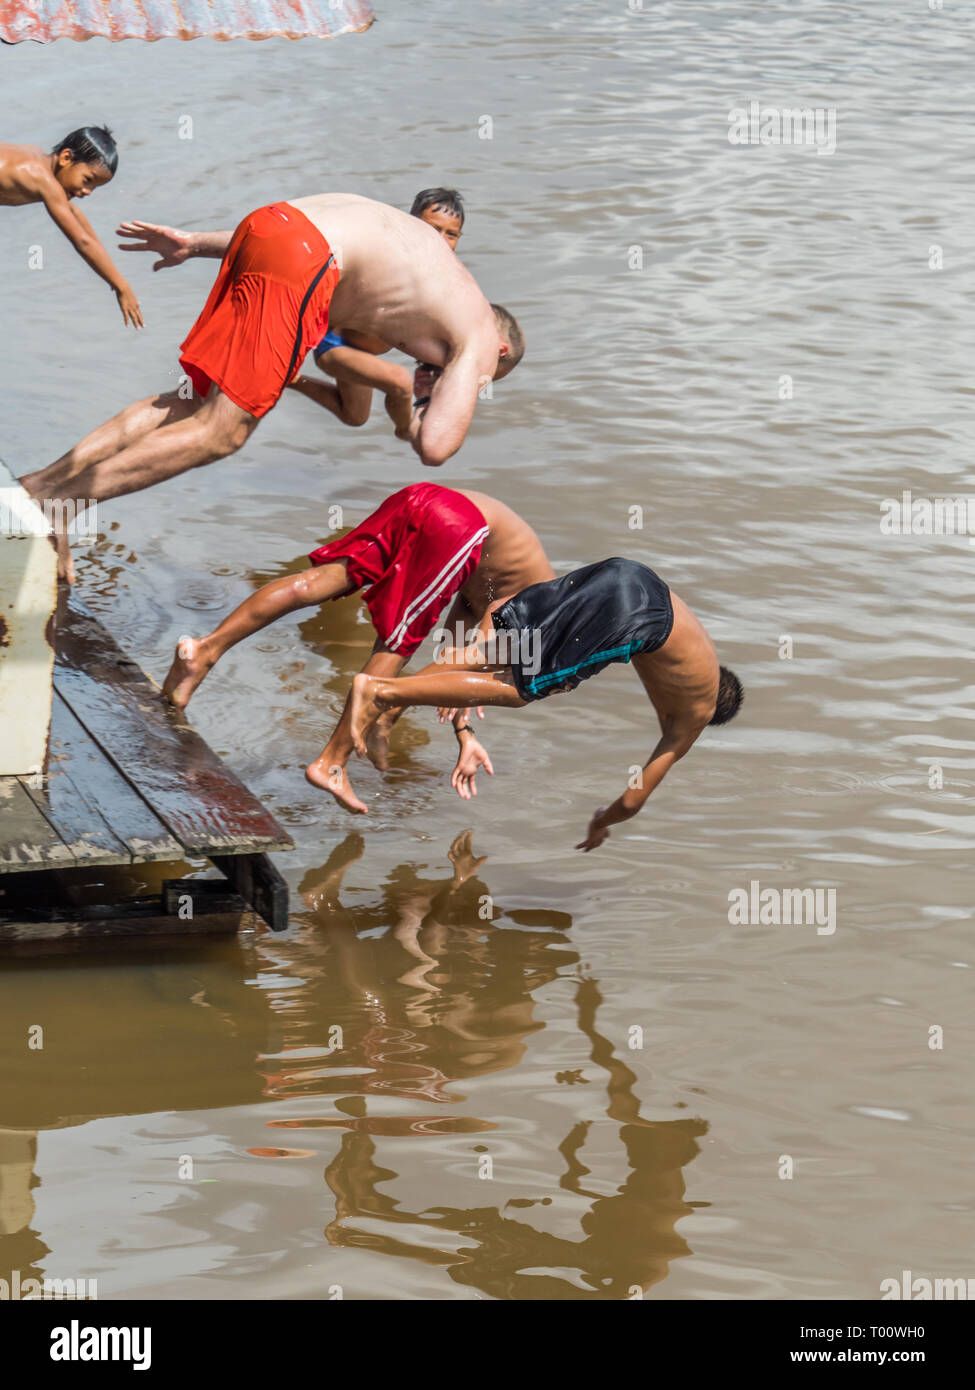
46,20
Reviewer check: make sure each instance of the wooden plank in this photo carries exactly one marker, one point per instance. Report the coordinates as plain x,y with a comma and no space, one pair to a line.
199,800
81,781
74,819
259,883
77,824
27,840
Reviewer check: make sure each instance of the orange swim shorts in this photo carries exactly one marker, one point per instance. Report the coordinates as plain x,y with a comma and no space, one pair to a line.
268,307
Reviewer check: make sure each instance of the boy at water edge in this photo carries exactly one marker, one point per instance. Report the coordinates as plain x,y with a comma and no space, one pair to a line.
354,359
575,626
83,161
421,548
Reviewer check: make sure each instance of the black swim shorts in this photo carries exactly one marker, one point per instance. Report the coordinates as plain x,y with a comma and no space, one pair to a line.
566,630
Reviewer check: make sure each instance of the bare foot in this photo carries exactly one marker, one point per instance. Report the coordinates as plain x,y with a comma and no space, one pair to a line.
364,712
189,667
333,777
377,741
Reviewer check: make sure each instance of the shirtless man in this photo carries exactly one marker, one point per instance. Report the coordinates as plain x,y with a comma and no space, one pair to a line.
79,164
355,361
423,546
571,628
284,270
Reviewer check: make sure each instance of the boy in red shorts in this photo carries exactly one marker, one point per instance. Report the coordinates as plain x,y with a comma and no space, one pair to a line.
421,548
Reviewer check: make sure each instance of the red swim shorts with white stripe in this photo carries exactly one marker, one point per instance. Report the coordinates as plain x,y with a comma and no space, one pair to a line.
414,553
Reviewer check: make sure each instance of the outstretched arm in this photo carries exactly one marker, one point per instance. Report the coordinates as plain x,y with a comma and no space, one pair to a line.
81,234
358,374
673,744
438,431
172,246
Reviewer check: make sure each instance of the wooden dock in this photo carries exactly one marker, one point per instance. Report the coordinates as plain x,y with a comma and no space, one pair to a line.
128,781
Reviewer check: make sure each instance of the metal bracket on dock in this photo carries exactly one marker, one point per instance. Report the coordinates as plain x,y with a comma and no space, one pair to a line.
259,883
256,887
253,892
211,913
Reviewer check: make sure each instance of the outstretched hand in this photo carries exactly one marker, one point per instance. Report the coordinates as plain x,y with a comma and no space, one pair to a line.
597,832
129,306
172,246
471,757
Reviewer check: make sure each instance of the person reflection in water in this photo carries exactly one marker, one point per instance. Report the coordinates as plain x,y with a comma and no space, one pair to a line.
448,995
427,992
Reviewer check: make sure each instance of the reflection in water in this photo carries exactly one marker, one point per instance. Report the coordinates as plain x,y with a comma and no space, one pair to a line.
465,1008
165,1029
20,1245
666,280
628,1239
424,987
380,1004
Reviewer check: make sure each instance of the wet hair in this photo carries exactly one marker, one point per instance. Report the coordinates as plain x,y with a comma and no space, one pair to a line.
730,697
443,199
91,144
511,329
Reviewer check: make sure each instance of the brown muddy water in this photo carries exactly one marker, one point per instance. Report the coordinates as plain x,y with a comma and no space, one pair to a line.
560,1075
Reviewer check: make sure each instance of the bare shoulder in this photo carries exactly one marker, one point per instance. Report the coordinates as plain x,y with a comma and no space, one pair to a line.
22,154
24,169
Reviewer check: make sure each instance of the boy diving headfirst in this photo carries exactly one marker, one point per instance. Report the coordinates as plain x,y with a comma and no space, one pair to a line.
284,270
550,637
81,162
422,547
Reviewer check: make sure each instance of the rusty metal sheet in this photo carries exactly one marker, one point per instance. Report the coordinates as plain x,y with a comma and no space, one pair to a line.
46,20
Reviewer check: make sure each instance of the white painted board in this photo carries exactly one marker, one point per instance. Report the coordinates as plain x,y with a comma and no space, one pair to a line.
28,599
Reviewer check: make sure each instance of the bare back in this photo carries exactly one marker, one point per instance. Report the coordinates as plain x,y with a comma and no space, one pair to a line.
401,282
512,557
22,169
681,677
